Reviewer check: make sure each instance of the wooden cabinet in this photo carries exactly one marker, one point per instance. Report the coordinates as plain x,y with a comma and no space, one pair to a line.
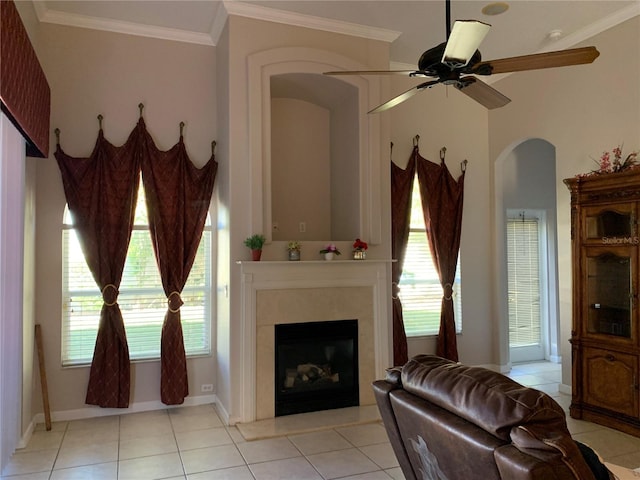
605,338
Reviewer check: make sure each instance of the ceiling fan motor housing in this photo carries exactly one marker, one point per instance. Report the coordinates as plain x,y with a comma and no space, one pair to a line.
430,62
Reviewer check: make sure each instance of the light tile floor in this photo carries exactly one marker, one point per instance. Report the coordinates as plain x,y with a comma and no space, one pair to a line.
191,443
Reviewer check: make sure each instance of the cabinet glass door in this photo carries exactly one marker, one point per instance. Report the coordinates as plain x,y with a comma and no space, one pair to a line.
609,291
615,223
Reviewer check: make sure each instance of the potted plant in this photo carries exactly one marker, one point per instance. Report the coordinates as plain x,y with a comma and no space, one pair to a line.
293,250
360,249
329,251
255,243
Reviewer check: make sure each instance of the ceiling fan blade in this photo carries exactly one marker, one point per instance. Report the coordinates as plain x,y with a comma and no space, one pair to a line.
370,72
465,38
403,96
482,93
560,58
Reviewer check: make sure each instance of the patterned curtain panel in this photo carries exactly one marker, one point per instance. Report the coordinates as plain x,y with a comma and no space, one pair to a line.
178,196
442,199
101,192
401,187
24,91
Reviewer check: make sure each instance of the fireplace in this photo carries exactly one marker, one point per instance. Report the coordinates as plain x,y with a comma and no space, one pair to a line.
316,366
279,293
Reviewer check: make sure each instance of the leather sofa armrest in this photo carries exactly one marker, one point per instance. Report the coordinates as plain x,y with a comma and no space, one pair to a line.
381,390
539,465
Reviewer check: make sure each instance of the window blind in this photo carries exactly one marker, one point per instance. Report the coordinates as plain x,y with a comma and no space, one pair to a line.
523,265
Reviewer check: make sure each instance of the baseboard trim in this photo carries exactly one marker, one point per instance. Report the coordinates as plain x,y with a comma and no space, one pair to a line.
92,411
26,436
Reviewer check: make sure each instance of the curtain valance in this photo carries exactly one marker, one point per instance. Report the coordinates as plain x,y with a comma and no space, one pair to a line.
24,92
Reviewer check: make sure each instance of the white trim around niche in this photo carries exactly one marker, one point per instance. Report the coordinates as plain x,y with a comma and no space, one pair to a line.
263,65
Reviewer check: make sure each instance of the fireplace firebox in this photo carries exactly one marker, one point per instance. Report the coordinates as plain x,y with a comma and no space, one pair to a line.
316,366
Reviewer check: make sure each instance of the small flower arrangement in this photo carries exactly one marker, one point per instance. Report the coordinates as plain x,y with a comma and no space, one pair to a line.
294,245
331,248
612,162
359,245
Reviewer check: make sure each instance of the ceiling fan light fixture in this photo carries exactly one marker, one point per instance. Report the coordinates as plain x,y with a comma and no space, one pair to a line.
463,42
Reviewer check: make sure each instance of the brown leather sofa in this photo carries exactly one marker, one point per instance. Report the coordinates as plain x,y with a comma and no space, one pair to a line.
447,421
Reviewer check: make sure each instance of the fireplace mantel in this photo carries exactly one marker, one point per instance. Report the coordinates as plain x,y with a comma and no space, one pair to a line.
287,278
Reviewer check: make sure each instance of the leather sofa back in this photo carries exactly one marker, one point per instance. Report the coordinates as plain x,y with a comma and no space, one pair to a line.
470,422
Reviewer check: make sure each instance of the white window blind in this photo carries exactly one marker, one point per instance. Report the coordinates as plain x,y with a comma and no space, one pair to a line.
141,299
523,265
420,289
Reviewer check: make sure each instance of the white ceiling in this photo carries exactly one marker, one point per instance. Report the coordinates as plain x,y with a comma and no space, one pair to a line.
410,26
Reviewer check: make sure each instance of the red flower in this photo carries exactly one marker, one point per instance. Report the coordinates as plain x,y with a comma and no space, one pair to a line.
360,245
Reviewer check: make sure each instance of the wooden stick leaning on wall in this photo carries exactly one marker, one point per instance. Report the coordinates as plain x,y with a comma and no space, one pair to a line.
43,378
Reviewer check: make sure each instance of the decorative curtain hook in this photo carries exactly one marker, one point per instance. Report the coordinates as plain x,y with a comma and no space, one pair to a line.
140,107
213,147
391,151
100,117
416,140
443,152
463,165
181,128
57,132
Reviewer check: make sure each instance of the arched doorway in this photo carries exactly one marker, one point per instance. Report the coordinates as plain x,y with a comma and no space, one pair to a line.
527,252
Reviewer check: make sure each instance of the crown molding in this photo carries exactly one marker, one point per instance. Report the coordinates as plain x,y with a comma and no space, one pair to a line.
46,15
259,12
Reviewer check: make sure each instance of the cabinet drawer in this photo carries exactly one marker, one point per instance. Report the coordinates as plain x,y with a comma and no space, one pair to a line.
610,380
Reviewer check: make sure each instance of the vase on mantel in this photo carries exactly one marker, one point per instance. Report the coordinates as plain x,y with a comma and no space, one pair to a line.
328,256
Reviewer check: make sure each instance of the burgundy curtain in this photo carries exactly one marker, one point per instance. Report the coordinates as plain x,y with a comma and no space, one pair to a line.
401,187
101,193
178,196
442,198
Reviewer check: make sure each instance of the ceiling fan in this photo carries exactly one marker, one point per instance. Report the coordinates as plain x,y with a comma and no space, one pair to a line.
457,61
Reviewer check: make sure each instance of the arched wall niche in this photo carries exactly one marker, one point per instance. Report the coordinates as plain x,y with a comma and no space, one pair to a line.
297,74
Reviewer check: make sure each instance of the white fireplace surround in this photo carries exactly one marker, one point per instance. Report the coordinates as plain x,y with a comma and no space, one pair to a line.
328,286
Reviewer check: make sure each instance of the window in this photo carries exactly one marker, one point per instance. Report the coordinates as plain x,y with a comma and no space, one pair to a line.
420,289
141,299
523,265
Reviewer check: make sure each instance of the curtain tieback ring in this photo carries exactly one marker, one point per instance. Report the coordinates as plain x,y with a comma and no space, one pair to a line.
448,292
170,302
105,292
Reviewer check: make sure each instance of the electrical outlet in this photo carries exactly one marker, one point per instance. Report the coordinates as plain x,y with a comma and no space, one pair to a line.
302,227
206,387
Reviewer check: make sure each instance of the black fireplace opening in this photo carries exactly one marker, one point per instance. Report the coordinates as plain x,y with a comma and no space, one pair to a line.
316,366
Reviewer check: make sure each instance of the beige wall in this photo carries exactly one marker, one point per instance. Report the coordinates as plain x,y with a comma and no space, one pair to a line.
91,73
582,111
443,117
235,207
300,143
